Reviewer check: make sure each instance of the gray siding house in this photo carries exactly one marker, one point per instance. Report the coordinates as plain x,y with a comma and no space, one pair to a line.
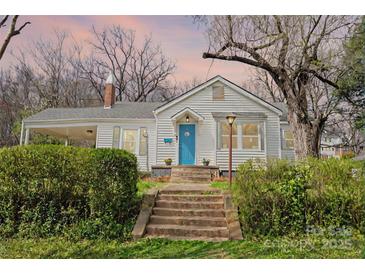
187,129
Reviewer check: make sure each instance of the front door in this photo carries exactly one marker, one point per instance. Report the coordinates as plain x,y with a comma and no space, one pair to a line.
187,144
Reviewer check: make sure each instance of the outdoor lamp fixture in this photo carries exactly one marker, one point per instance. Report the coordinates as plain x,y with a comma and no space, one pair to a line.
89,132
230,119
187,118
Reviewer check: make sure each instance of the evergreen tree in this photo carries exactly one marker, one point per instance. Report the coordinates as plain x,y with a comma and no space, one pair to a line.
352,84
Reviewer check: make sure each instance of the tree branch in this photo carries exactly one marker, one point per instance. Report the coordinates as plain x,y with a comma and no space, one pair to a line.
248,61
12,32
323,79
2,22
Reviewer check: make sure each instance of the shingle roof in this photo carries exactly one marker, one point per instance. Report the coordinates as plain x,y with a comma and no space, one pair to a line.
284,110
130,110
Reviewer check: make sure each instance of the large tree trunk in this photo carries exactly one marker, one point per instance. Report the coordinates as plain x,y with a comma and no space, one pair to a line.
307,135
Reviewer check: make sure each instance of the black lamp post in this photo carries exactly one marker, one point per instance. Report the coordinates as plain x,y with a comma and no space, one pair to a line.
230,119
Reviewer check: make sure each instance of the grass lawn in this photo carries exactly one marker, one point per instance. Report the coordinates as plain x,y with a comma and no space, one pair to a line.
143,186
312,246
220,185
159,248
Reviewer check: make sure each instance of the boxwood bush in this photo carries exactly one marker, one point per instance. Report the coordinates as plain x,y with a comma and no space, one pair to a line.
282,198
48,190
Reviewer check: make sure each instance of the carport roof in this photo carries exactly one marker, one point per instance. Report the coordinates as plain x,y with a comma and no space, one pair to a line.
129,110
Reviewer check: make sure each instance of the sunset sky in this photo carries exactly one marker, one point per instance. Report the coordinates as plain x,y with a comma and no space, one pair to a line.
180,39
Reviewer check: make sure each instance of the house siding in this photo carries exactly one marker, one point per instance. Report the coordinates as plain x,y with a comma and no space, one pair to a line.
104,138
287,154
202,102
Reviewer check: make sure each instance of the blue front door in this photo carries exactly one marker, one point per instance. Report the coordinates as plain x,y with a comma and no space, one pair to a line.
187,144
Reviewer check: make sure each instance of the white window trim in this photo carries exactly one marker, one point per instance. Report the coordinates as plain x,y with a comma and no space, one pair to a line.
256,136
285,143
239,135
136,152
220,137
218,99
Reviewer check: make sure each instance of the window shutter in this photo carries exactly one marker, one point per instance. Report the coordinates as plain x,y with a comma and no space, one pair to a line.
282,139
116,137
262,136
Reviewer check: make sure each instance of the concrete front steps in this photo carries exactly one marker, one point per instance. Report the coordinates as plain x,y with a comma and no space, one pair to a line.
191,215
188,212
191,174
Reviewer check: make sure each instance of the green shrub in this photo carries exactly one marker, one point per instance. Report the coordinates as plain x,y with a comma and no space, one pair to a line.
48,190
282,198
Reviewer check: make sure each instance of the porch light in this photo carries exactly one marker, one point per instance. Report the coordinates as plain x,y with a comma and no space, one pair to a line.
89,132
187,118
230,119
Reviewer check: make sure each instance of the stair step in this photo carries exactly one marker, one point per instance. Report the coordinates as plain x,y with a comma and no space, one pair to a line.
189,221
193,174
191,178
185,197
188,181
193,205
190,191
189,174
191,231
188,212
188,238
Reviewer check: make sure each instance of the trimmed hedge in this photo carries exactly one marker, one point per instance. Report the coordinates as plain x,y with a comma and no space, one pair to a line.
48,190
282,198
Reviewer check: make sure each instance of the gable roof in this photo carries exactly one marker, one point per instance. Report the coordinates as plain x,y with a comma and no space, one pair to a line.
223,80
284,109
185,111
128,110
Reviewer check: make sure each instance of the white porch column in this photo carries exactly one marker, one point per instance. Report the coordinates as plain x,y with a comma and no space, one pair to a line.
21,134
26,141
66,142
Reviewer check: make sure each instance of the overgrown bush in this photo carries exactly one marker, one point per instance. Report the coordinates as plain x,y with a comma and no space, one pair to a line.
48,190
285,198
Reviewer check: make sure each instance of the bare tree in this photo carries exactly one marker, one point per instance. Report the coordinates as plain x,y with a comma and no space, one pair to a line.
17,96
13,31
139,70
149,68
264,86
296,51
57,81
172,89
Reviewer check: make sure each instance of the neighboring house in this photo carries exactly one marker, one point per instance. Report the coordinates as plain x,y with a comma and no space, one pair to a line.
186,129
331,146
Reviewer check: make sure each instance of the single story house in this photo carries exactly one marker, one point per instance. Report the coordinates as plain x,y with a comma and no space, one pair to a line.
187,129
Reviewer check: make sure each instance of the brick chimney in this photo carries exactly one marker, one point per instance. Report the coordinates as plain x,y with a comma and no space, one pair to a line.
109,92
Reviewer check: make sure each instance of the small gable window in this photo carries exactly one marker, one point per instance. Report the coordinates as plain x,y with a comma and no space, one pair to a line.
218,93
